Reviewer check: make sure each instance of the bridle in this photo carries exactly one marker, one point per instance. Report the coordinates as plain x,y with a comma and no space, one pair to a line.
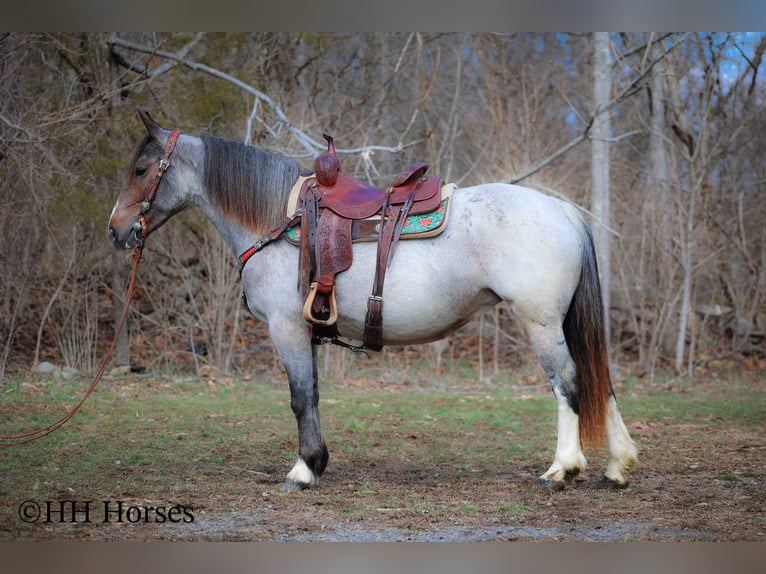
138,227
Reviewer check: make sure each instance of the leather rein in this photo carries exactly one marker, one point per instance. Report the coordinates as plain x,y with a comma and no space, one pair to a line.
139,227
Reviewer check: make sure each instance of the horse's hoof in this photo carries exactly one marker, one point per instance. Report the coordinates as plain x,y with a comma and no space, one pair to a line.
292,485
611,484
551,484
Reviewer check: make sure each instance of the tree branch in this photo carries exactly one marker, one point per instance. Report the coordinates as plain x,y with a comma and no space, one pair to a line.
632,88
551,158
311,145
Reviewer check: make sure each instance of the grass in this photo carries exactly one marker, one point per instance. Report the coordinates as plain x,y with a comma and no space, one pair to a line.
745,404
150,439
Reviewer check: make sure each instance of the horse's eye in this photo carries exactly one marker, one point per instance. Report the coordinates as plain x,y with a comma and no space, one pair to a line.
140,171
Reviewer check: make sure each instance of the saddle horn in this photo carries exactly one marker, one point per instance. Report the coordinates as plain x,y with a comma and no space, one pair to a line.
326,166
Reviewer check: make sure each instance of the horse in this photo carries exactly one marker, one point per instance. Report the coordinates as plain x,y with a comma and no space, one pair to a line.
501,243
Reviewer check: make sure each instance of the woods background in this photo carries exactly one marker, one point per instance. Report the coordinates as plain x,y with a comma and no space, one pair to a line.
658,136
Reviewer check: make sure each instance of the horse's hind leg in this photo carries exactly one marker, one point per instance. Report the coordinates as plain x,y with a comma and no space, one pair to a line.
623,454
569,461
551,348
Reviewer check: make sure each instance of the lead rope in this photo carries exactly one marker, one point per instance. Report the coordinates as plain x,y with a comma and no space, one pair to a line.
23,438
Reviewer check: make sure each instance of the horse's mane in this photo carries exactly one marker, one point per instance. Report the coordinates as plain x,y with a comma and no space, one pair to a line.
248,184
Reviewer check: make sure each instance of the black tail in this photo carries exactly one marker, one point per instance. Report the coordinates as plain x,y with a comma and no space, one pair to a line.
584,330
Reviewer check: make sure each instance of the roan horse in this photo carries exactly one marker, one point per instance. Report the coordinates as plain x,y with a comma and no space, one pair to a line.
502,243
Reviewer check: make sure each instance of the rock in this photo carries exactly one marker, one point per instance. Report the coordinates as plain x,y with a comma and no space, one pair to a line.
45,368
119,370
67,372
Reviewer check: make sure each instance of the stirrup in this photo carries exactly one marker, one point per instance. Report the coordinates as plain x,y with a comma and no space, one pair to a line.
308,315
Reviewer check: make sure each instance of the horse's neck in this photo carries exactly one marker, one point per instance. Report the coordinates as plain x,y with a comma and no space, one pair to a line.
190,182
265,174
236,236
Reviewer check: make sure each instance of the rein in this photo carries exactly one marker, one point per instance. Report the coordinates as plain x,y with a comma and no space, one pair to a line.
140,229
23,438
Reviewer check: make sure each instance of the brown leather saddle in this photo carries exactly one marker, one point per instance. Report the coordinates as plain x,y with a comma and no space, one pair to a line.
330,203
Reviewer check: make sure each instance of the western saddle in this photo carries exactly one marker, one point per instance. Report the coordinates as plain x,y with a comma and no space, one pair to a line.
334,209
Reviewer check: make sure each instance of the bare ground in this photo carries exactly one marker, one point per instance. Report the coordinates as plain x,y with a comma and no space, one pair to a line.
714,492
700,480
699,486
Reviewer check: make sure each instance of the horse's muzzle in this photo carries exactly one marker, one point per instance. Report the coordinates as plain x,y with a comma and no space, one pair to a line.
130,240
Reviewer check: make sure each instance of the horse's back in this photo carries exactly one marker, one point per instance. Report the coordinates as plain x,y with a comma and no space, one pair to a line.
502,242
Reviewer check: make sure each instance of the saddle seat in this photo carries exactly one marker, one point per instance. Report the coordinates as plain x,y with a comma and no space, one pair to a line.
354,199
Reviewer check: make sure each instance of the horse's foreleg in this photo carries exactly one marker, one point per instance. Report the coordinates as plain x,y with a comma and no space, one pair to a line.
301,366
554,356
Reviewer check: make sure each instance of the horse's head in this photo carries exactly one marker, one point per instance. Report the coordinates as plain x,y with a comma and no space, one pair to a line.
152,191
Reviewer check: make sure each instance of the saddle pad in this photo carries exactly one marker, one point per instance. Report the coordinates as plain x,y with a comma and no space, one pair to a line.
419,226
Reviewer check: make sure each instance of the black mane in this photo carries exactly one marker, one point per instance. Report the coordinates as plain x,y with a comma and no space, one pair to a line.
248,184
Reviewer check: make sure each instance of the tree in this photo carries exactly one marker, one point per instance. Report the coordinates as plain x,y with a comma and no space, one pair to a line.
600,189
674,143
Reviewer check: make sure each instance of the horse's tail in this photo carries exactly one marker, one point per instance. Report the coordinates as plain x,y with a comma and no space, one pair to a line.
585,333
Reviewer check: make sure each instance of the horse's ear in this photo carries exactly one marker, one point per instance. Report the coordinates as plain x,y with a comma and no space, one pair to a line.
155,130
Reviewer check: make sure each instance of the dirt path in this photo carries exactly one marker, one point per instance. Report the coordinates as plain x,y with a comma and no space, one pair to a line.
699,504
702,488
438,478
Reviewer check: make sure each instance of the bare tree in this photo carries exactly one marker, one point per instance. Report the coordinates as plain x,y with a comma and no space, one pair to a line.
600,189
675,142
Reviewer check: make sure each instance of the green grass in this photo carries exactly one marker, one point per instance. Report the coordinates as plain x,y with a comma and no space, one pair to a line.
128,437
149,439
745,405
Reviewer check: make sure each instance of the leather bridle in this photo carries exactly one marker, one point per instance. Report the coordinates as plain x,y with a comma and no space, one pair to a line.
151,190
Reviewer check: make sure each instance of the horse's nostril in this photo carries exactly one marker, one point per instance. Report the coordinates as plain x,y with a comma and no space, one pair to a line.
112,234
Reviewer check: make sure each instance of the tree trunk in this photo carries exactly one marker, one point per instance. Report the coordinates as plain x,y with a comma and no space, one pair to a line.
659,210
119,270
122,347
687,260
600,191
